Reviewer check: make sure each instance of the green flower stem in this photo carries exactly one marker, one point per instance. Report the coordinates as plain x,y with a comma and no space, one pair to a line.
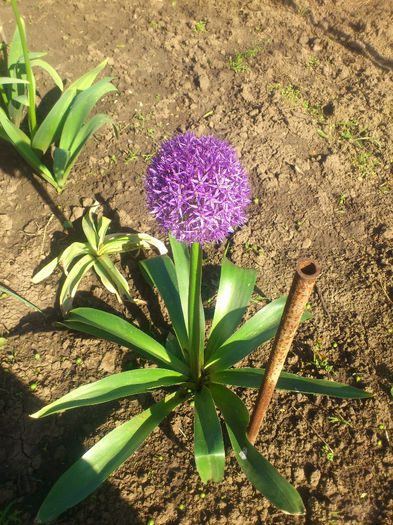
29,72
195,312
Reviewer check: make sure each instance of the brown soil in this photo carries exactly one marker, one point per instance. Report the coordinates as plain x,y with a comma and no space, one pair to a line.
313,67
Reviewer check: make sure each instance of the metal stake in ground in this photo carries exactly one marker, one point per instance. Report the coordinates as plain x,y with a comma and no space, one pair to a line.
307,272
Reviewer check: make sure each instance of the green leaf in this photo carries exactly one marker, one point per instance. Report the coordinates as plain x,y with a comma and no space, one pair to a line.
89,228
60,161
258,470
50,70
13,80
7,291
196,318
74,250
208,445
83,135
81,107
21,142
252,378
234,294
181,258
87,79
84,476
111,278
113,387
50,127
102,228
68,290
114,328
173,347
257,330
127,242
161,272
46,271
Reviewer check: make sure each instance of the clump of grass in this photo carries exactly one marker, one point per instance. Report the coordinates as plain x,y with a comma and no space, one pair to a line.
294,96
366,164
239,62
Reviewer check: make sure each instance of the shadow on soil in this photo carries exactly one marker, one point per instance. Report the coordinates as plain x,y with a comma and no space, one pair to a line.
34,453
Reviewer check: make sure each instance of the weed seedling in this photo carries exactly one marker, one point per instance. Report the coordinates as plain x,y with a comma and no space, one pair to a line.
366,164
239,62
328,452
200,26
339,420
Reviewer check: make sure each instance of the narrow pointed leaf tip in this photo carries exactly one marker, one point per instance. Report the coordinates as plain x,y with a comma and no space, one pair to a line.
92,469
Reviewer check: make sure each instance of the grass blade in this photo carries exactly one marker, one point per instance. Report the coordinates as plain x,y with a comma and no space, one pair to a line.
84,476
252,378
208,444
113,387
234,293
258,470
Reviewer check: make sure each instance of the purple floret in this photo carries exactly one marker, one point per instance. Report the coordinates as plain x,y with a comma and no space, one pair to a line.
196,188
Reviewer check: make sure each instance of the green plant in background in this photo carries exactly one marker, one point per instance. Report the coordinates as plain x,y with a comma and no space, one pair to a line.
51,147
198,191
77,259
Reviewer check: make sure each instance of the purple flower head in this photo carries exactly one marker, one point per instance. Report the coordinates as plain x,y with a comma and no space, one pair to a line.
197,189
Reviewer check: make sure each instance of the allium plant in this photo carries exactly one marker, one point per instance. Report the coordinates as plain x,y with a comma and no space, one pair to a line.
52,146
79,257
196,364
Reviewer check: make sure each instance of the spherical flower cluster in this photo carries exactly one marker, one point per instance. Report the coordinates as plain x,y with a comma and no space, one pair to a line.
196,188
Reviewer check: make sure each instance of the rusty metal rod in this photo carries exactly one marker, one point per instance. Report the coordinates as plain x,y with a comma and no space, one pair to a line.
307,272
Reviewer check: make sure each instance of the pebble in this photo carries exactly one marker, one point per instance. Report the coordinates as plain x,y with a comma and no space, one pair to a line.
5,222
306,243
315,478
108,363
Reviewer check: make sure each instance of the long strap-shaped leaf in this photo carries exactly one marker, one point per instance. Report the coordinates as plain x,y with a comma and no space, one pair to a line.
111,278
252,378
21,143
87,79
68,290
257,330
258,470
113,387
92,469
81,107
181,258
208,444
51,125
196,318
234,294
113,328
161,272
